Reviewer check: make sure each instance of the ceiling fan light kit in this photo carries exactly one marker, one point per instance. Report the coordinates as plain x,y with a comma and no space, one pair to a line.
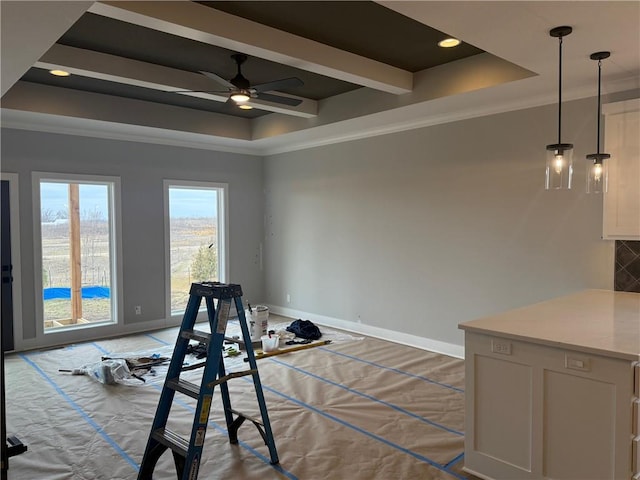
241,96
240,90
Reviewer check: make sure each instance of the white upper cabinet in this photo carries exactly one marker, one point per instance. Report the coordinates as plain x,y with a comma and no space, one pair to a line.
622,200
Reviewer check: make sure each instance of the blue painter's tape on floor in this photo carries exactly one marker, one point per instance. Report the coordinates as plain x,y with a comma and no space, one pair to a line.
422,458
105,352
369,397
82,413
454,460
389,443
183,404
396,370
156,339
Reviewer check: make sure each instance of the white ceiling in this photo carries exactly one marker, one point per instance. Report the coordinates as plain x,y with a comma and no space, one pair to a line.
518,70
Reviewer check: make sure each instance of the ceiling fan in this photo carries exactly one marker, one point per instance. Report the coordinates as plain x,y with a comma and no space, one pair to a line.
241,91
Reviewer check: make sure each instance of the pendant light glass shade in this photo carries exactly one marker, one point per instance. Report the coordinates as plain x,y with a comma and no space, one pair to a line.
559,171
597,171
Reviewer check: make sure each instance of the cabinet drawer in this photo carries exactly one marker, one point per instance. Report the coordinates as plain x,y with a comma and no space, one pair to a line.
635,456
635,415
636,379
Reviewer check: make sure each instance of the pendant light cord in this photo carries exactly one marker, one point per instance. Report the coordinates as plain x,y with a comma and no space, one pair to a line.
599,103
559,90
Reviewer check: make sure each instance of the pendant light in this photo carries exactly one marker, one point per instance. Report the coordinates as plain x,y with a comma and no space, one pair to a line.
559,155
596,167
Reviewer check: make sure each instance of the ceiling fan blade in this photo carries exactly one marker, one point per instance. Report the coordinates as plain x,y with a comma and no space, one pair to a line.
278,84
269,97
217,78
220,92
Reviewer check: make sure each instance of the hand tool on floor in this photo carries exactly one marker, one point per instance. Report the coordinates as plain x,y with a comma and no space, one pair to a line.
288,350
187,452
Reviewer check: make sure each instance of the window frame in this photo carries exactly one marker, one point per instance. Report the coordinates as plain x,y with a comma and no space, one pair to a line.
223,233
73,333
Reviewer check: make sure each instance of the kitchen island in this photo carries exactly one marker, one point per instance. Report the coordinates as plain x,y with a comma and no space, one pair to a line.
552,389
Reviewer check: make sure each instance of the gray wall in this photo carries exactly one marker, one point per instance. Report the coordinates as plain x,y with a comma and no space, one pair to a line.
414,231
141,168
420,230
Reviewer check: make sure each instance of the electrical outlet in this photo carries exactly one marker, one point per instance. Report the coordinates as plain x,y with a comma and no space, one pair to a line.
501,346
288,298
138,310
577,362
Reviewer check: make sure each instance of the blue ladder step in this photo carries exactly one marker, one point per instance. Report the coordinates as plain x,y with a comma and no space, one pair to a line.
171,440
197,335
183,386
254,420
231,375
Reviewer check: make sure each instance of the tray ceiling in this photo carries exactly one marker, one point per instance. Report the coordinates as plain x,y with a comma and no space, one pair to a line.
136,63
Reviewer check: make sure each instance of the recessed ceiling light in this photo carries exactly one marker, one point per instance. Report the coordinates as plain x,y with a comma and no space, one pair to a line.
59,73
449,42
244,106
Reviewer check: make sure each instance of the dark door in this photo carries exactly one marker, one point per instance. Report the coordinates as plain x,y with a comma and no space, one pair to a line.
6,319
6,292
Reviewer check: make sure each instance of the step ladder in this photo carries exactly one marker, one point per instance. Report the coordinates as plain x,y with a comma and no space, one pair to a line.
187,453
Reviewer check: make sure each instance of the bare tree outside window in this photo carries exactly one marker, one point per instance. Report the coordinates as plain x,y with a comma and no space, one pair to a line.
194,238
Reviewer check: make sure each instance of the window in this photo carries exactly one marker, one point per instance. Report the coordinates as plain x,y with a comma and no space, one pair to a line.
195,229
75,237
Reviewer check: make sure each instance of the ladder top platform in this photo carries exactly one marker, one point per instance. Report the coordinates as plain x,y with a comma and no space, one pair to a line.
217,290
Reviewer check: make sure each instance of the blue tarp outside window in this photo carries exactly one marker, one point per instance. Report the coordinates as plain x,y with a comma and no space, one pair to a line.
64,293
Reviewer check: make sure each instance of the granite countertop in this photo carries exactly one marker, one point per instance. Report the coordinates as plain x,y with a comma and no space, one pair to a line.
603,322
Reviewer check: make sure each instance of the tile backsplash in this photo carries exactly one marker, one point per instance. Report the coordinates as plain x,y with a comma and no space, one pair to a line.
627,271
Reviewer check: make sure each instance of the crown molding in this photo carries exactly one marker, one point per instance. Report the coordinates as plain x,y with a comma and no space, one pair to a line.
465,106
49,123
384,124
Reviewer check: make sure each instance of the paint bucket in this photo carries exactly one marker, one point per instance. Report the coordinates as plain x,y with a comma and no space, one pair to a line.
270,343
257,321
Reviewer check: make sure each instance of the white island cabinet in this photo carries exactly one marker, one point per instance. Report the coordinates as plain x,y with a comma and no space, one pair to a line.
552,390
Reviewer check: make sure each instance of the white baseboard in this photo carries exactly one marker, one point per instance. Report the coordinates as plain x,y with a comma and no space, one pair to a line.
111,331
423,343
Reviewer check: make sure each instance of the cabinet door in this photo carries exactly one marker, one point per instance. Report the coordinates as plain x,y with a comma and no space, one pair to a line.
542,412
621,213
500,418
579,427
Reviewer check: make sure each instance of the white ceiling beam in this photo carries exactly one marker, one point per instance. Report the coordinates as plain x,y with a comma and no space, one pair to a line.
28,30
112,68
34,97
207,25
